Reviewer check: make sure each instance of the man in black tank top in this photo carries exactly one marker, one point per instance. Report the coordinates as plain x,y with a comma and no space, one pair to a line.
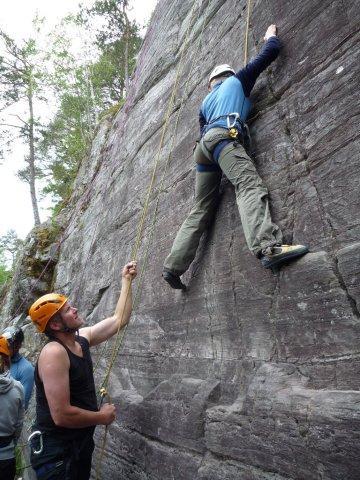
66,404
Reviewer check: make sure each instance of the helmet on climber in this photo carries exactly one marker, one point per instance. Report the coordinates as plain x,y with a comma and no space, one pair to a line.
219,71
5,354
14,337
4,346
46,307
13,334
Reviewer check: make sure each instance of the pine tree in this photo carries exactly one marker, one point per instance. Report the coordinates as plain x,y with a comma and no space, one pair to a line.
20,79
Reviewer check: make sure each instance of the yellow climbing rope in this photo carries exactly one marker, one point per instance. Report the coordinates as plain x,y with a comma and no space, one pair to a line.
104,393
153,177
246,41
119,338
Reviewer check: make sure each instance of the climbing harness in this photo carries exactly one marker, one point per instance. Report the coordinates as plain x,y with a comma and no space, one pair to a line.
239,130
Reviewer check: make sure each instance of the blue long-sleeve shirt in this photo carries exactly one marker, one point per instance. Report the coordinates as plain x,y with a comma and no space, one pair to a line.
232,94
23,371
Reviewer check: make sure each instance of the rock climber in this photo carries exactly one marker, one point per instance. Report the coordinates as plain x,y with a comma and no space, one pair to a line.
21,369
222,149
66,404
12,413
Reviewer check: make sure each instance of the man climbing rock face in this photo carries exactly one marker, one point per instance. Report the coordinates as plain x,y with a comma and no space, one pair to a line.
66,405
222,150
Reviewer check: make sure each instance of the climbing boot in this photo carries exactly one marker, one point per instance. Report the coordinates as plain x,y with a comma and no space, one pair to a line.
173,280
273,257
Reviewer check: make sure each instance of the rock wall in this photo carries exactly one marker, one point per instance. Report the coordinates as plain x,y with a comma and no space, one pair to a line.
246,375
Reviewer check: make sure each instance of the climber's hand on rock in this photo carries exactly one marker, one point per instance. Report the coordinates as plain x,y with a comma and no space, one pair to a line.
130,271
270,32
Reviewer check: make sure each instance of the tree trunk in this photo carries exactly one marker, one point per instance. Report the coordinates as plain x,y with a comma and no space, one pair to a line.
31,159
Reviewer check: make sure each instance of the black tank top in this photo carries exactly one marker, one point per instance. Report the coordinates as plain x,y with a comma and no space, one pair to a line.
82,392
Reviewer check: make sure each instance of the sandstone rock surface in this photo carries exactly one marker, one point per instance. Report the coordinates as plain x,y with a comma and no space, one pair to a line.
246,375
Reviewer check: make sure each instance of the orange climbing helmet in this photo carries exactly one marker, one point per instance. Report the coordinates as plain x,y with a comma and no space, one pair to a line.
4,346
44,308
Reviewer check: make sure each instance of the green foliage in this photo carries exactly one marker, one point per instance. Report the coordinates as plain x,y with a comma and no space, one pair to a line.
21,78
20,461
86,89
113,110
46,234
5,274
10,246
65,143
109,72
115,20
84,83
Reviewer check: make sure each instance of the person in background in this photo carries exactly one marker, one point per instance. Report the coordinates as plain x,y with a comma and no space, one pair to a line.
11,413
21,369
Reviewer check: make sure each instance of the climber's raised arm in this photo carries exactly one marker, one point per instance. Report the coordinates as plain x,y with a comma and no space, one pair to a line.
105,329
268,53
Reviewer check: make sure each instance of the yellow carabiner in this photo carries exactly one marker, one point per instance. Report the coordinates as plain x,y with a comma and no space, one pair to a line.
233,133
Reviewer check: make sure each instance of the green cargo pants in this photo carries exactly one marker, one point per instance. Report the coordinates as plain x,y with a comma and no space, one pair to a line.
251,198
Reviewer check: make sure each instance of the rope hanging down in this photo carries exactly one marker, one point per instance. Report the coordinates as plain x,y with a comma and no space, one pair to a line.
119,338
150,188
153,177
160,190
246,41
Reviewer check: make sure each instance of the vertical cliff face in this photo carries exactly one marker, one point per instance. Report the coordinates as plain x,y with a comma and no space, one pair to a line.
246,375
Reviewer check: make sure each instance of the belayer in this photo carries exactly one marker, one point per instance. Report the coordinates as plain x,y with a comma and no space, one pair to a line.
66,406
222,149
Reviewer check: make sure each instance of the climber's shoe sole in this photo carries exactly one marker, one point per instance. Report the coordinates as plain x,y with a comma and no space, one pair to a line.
173,280
283,254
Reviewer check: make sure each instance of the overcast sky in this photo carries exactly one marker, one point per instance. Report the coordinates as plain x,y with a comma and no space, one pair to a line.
15,19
